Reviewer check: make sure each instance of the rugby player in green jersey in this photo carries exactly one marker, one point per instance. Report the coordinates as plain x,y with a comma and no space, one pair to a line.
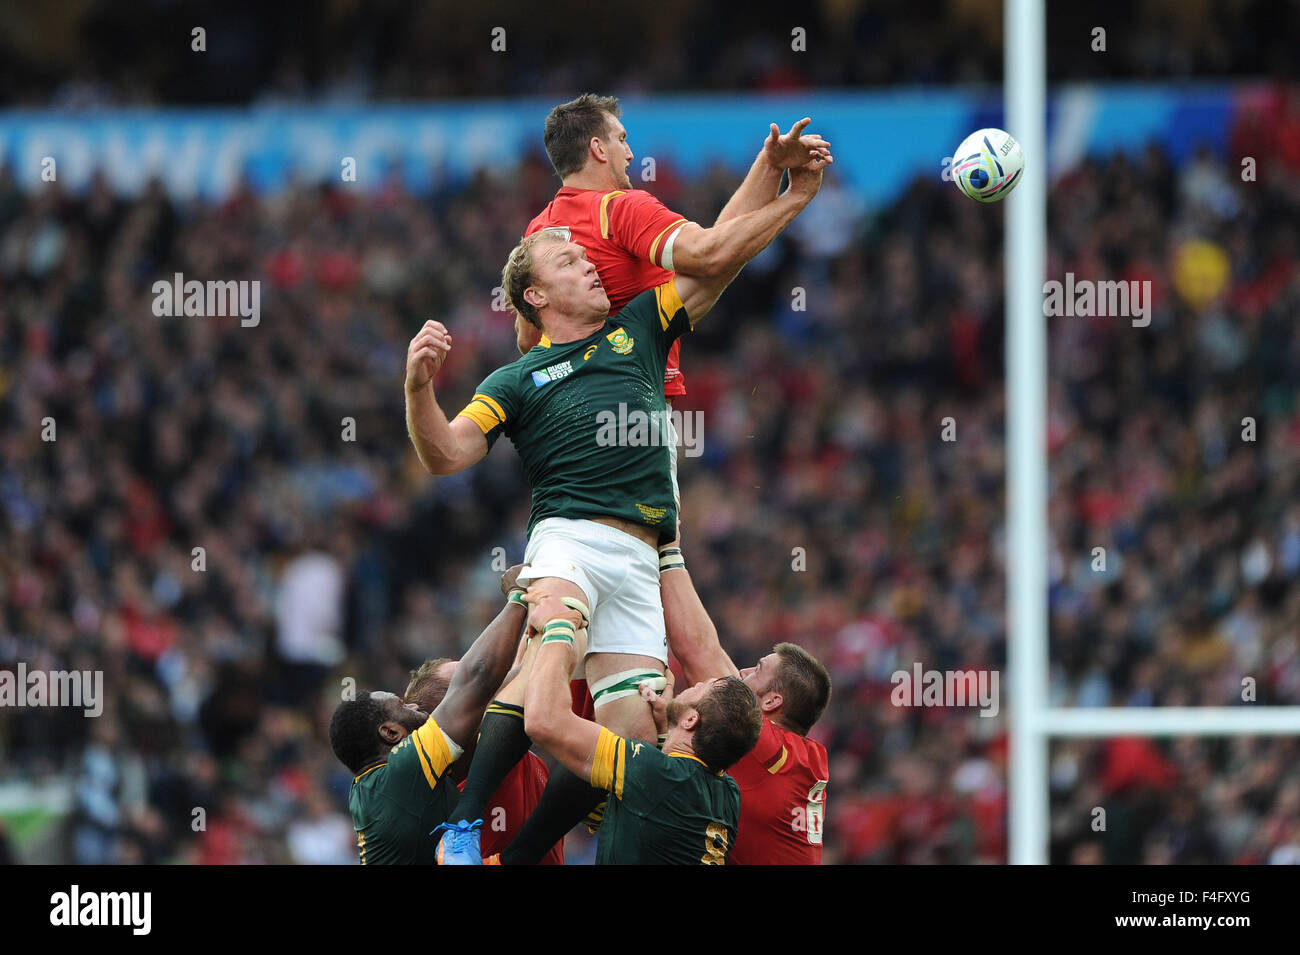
585,411
677,806
400,756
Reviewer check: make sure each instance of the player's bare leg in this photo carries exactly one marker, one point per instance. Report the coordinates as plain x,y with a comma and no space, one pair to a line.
628,715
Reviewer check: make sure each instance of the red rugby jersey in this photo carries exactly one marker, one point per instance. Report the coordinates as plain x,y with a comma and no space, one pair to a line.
512,803
782,800
624,233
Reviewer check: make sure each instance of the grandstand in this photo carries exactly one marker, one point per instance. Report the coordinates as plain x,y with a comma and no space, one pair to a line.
325,558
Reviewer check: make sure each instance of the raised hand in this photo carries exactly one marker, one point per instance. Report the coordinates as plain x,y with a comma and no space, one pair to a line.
510,580
806,180
546,607
794,148
659,702
427,351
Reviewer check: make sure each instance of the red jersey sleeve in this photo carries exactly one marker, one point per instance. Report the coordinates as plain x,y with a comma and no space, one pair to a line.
639,223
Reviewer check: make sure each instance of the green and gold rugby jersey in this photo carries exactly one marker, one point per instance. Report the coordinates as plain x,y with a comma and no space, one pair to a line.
587,417
667,809
396,804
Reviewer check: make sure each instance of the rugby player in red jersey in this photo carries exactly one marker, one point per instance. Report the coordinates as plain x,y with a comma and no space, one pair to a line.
632,238
783,778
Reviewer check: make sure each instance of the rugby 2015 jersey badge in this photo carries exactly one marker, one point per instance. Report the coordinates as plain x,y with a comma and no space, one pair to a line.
620,341
552,373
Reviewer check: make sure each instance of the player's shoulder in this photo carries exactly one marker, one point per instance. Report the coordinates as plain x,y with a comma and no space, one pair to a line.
661,301
631,197
369,781
572,207
804,750
646,753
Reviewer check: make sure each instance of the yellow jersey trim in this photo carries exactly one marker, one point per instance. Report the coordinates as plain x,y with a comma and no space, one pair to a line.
669,301
430,776
369,771
481,414
432,749
776,767
608,766
493,404
604,212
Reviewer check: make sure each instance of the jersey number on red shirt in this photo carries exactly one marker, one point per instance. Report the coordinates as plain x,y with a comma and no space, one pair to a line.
816,807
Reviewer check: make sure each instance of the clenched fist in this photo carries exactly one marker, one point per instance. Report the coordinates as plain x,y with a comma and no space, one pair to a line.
427,352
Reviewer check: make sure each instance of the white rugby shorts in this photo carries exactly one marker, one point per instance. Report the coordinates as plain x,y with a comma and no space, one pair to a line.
618,574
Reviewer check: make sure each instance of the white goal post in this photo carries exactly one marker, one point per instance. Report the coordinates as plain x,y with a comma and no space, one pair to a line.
1032,721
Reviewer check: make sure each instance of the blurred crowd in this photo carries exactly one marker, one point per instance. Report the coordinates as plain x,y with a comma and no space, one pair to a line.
71,55
230,523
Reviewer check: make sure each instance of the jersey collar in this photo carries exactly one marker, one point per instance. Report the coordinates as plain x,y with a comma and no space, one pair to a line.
357,779
676,755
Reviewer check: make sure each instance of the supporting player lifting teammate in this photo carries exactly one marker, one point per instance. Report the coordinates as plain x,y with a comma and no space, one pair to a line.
783,778
399,754
675,807
517,796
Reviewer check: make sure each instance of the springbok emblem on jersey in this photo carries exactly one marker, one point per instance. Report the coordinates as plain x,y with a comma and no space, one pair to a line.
620,341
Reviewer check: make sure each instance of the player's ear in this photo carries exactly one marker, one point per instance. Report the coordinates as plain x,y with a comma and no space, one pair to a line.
771,702
689,719
391,732
534,297
597,148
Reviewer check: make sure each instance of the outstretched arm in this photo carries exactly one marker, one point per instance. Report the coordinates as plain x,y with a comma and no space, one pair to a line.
746,236
691,634
479,675
548,715
443,447
763,182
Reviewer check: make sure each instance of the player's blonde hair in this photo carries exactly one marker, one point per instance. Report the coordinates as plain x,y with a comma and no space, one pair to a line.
518,272
427,685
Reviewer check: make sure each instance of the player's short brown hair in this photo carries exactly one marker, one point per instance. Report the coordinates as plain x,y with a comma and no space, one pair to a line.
571,125
427,686
804,685
517,274
729,724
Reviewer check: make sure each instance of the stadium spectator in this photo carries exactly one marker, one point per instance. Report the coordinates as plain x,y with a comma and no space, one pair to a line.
822,432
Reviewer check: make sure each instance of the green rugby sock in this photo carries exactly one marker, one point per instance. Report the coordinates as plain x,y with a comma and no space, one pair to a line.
502,743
